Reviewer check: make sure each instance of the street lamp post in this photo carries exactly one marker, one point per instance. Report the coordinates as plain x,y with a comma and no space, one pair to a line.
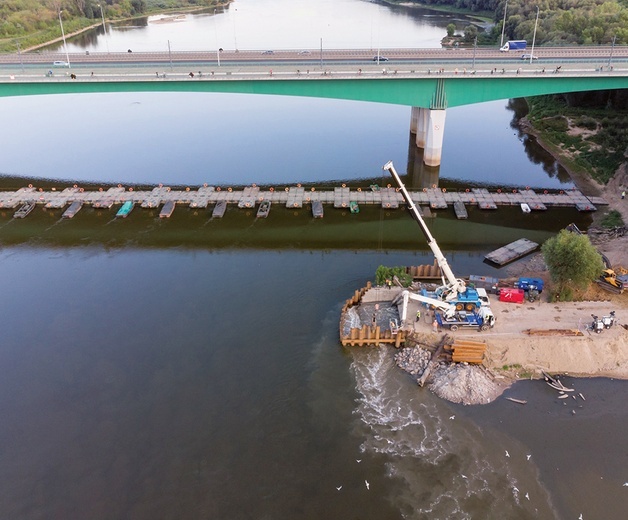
65,46
216,32
235,38
19,52
534,36
104,27
504,25
610,58
321,54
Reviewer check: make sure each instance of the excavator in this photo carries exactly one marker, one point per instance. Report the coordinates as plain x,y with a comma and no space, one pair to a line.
614,280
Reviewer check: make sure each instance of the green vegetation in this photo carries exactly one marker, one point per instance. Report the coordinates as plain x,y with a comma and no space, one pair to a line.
561,22
34,22
592,139
384,273
612,219
573,263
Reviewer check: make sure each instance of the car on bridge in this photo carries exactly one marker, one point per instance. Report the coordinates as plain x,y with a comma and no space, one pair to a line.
60,64
528,56
380,58
268,52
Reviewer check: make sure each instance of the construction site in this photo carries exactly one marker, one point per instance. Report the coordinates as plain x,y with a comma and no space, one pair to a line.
469,339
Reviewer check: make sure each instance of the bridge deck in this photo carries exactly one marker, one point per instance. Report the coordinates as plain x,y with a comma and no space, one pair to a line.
296,197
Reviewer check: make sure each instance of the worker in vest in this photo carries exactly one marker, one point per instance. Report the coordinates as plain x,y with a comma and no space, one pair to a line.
418,315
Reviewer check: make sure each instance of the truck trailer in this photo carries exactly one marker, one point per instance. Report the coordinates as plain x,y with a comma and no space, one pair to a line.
514,45
482,320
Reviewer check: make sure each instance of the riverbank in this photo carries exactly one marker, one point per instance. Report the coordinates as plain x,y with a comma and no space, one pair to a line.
150,12
514,353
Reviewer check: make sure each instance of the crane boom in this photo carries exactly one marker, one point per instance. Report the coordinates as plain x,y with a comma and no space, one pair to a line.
454,286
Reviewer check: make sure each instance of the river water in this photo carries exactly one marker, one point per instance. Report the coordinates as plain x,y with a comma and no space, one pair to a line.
191,369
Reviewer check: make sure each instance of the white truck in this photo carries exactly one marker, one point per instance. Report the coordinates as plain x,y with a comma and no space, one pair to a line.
514,45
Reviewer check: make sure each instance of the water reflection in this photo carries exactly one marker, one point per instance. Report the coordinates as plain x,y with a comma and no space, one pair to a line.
420,175
287,24
535,152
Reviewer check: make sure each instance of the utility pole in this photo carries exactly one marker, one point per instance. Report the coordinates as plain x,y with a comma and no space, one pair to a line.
534,37
612,48
19,52
504,25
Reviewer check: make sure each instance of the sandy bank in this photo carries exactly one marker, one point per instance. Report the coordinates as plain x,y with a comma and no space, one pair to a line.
591,354
512,353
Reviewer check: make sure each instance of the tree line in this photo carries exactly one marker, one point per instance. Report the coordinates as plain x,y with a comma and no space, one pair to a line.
561,22
31,22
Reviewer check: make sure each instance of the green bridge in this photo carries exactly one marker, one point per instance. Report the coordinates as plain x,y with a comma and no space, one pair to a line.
429,91
401,89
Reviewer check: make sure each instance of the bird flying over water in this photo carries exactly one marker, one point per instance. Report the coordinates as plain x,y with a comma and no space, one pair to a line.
338,488
368,486
527,496
528,457
358,460
507,454
452,417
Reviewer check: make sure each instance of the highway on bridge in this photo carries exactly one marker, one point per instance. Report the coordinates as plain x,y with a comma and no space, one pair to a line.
313,58
411,77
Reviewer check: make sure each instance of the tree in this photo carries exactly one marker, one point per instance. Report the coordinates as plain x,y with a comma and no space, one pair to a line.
572,261
451,29
470,33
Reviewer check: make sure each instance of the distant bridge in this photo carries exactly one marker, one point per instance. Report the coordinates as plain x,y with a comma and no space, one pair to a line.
429,80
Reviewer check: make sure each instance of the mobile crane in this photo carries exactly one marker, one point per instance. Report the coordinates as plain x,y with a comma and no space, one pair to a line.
453,290
448,316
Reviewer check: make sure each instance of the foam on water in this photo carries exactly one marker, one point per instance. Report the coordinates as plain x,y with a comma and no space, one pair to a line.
443,465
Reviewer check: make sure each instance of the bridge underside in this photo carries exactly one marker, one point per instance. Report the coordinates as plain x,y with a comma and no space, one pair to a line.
429,95
408,91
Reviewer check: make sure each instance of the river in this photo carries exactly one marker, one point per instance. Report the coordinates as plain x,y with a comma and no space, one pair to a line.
191,369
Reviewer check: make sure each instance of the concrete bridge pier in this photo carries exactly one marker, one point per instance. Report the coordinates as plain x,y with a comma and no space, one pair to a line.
434,137
429,126
418,124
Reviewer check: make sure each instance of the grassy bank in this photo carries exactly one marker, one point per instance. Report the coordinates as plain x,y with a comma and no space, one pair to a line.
48,29
588,140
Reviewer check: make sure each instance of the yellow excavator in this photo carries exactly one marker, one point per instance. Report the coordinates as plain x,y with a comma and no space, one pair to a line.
614,280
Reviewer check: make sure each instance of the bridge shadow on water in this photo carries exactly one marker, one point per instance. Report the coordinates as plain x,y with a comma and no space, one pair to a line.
373,228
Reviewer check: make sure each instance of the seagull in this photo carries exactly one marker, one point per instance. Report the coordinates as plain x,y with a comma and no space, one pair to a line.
338,488
528,457
625,484
452,417
515,489
368,486
507,454
527,496
463,476
358,460
580,517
